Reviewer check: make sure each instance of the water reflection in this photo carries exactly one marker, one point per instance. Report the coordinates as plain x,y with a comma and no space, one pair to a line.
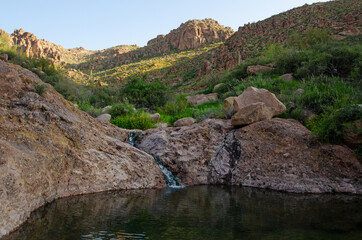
202,212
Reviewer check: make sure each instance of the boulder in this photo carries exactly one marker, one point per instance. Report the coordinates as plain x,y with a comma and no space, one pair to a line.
253,95
287,77
201,98
184,122
229,102
155,116
4,57
104,117
161,125
252,113
49,149
254,70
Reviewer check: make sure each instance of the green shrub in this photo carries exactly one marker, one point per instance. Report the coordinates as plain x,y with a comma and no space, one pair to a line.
329,126
143,94
121,109
39,88
142,122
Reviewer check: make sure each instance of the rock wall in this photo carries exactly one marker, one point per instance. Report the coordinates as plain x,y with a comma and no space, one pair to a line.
276,154
340,17
49,149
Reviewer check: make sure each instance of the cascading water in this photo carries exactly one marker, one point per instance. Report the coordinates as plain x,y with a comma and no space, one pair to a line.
170,179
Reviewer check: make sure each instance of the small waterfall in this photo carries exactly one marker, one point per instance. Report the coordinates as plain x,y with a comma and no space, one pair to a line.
170,179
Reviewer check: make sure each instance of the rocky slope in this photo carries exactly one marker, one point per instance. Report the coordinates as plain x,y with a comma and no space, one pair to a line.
49,149
341,17
277,154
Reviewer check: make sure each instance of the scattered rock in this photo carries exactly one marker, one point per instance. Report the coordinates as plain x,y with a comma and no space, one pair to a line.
104,117
155,116
229,102
307,115
287,77
4,57
251,113
254,70
291,106
253,95
201,98
217,86
299,91
106,109
184,122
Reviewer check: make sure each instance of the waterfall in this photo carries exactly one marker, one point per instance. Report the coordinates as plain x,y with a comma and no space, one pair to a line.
170,179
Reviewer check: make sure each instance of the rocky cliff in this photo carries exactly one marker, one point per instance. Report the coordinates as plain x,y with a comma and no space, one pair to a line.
49,149
341,17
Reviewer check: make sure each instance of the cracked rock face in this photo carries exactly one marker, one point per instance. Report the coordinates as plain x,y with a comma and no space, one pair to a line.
50,149
277,154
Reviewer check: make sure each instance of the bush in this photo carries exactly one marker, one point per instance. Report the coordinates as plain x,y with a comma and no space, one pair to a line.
329,126
39,88
121,109
143,94
142,122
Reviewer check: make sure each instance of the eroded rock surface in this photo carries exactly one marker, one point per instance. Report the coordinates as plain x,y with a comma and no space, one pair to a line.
50,149
277,154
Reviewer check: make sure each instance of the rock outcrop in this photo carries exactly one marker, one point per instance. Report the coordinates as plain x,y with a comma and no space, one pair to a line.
276,154
191,34
49,149
342,18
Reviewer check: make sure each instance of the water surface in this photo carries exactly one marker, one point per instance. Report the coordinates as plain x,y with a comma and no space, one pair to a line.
201,212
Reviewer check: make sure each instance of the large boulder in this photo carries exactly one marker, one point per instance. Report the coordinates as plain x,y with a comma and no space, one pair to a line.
256,69
253,95
184,122
201,98
49,149
252,113
276,154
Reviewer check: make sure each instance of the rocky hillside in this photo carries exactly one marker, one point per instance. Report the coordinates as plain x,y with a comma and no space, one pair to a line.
341,17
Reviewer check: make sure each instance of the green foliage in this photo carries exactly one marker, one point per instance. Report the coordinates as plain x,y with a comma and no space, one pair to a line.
141,122
122,109
143,94
329,126
39,88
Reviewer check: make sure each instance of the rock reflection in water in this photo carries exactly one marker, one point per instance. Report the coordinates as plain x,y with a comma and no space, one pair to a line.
201,212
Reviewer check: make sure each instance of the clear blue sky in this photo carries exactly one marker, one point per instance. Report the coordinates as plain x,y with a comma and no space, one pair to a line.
99,24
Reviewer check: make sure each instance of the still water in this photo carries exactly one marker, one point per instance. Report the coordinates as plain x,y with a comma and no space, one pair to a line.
201,212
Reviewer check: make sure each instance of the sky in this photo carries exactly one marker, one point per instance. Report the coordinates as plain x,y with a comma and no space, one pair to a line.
100,24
